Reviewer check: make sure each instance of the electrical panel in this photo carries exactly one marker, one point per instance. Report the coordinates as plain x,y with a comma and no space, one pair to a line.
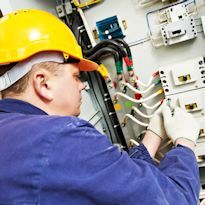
178,31
175,24
183,76
184,84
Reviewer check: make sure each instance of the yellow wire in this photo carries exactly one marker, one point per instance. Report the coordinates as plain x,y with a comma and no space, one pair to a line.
88,3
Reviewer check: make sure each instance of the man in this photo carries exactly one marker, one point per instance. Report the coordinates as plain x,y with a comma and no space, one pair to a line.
50,156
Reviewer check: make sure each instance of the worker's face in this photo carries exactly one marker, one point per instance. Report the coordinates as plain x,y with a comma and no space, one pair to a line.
67,90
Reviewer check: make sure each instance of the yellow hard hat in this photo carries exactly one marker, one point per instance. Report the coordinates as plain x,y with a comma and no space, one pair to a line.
26,32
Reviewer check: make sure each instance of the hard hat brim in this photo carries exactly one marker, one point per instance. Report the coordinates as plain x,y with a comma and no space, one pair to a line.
87,65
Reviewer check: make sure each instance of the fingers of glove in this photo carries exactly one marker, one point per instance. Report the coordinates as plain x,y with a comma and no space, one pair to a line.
156,126
159,110
167,114
189,128
181,114
172,105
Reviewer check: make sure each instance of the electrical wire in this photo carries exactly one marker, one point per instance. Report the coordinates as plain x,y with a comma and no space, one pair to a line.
135,120
151,107
134,142
150,80
139,41
99,106
119,40
118,48
143,84
105,51
136,90
105,43
140,113
141,100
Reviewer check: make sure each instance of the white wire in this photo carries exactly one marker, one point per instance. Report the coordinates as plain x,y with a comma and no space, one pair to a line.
136,120
140,113
137,101
145,85
136,90
151,107
134,142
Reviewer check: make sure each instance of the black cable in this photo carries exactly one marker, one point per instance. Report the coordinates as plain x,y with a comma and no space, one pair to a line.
91,83
111,110
120,55
103,51
104,44
115,48
119,40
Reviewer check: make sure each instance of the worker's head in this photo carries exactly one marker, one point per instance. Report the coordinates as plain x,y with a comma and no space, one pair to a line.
34,47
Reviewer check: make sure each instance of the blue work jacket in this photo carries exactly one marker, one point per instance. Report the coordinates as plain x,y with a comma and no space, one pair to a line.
55,160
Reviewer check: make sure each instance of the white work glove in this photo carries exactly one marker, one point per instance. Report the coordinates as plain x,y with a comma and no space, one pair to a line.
156,124
202,202
180,124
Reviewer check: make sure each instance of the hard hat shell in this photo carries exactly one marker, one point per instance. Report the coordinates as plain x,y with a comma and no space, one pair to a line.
26,32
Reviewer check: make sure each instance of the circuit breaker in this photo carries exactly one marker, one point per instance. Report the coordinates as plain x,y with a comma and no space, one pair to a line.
178,31
176,24
184,84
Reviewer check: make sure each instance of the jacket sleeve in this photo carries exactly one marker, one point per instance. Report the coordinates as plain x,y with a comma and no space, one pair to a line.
85,168
140,152
180,166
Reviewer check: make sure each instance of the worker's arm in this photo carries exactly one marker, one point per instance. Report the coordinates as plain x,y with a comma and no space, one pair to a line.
155,132
152,142
87,168
147,149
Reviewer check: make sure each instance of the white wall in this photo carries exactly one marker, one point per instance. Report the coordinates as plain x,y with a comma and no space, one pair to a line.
10,5
5,6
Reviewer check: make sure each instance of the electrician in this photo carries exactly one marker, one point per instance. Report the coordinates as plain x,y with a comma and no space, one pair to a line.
50,156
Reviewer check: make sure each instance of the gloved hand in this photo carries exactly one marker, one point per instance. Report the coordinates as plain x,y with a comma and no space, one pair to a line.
156,124
180,124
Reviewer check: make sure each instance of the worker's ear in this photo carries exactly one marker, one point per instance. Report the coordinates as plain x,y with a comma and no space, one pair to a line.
42,84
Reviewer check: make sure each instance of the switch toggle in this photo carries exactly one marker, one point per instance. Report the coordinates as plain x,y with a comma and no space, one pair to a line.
184,75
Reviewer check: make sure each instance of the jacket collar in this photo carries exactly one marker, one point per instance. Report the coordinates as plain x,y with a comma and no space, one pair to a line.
9,105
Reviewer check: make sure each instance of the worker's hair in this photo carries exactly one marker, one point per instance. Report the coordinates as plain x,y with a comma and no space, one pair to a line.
20,86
